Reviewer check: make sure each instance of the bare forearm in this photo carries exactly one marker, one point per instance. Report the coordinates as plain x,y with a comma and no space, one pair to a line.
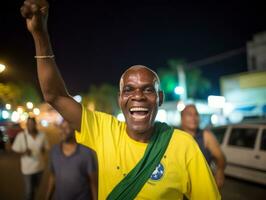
94,185
219,173
42,43
52,85
220,166
50,188
220,162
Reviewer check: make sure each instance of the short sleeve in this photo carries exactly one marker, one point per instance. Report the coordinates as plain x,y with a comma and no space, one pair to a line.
93,126
19,143
201,185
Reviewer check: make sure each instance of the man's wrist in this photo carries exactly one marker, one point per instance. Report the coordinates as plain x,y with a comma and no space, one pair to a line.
42,45
40,35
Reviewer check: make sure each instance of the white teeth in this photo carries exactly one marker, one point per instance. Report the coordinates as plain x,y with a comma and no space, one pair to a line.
138,109
139,117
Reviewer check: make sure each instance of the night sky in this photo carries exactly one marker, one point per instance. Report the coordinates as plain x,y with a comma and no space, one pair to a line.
95,42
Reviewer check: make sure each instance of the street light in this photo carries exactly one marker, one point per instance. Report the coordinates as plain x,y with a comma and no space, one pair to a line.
8,106
29,105
36,111
2,68
179,90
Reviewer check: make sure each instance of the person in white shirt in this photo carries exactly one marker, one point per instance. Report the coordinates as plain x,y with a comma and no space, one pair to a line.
31,144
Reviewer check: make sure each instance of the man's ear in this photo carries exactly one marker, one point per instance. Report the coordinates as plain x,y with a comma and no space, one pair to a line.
161,97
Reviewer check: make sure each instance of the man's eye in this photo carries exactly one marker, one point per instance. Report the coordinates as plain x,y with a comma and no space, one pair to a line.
127,89
149,89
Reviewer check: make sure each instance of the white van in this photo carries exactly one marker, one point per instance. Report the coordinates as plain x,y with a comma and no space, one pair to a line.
245,149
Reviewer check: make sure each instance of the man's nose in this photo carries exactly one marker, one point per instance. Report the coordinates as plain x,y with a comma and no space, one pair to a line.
138,95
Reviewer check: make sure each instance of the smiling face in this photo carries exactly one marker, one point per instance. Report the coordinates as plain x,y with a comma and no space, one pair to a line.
139,99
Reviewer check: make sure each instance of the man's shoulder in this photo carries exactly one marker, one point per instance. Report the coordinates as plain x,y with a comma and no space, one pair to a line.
86,154
85,150
179,134
20,135
87,112
88,115
207,132
182,139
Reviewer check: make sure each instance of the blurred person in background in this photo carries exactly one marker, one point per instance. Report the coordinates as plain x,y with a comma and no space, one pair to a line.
73,169
206,141
31,145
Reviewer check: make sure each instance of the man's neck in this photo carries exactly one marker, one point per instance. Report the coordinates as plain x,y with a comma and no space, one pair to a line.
68,148
140,137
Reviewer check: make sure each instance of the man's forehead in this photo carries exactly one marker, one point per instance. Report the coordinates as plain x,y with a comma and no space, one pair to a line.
139,72
145,76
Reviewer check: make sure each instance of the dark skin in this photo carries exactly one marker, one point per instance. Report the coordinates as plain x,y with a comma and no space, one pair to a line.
52,85
143,82
139,99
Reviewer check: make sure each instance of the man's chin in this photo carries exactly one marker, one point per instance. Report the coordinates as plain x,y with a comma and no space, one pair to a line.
139,129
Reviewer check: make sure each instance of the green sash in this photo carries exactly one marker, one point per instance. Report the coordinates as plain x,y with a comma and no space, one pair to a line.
129,187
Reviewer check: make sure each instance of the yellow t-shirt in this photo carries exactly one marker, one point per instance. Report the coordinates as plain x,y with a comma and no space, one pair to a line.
182,170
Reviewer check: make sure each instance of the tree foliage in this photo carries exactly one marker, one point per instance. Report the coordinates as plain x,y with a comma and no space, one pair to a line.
18,93
102,98
197,85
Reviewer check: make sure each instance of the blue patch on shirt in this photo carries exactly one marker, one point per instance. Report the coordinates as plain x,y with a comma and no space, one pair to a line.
157,173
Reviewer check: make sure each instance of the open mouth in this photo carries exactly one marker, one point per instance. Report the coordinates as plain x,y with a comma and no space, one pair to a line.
139,112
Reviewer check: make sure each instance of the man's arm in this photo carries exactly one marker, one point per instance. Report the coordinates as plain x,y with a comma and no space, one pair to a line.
52,85
28,152
50,187
213,146
18,146
94,184
92,170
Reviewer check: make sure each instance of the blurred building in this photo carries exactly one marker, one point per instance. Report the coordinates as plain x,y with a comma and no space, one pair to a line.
246,93
256,52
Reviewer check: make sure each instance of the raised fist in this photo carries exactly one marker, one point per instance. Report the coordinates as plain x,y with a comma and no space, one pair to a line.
36,14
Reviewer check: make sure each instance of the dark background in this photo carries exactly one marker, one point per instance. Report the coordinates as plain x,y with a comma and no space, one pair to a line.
94,42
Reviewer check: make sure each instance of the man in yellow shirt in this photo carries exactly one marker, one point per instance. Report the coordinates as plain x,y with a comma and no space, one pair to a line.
139,158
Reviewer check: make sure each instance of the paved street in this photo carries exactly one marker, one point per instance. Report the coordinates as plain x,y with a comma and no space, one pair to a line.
11,183
235,189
